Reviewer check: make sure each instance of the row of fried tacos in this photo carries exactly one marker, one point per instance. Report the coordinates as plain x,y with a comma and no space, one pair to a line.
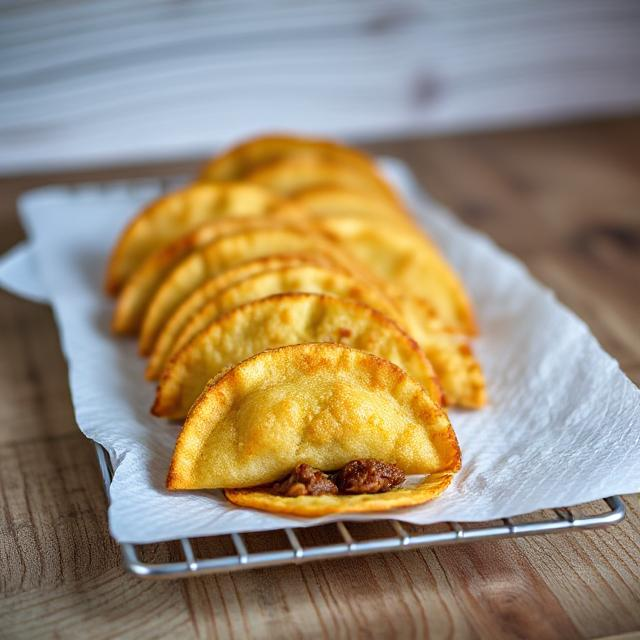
305,329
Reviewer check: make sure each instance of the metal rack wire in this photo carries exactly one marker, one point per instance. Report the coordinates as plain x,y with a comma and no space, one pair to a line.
566,519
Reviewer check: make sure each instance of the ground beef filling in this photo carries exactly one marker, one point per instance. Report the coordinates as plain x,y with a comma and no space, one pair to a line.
368,476
358,476
304,480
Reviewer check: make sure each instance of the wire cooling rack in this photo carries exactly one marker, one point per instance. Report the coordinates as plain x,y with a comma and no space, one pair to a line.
202,555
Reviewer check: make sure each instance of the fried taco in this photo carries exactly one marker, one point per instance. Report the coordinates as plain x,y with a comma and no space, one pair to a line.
315,429
279,320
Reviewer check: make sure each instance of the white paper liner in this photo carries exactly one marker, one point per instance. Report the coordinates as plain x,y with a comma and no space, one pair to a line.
561,428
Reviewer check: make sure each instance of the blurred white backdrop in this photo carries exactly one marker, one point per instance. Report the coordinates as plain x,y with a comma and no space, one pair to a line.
86,83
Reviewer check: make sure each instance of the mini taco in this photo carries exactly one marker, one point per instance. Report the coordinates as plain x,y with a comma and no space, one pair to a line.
276,321
321,405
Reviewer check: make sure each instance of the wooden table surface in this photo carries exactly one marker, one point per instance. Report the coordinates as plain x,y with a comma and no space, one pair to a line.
566,200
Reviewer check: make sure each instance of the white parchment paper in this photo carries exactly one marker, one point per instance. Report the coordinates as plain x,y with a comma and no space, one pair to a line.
562,426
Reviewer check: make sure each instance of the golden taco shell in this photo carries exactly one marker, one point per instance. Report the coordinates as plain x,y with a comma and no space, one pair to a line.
279,320
322,404
256,152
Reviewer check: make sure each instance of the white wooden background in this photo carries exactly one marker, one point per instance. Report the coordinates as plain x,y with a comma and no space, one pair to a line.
119,80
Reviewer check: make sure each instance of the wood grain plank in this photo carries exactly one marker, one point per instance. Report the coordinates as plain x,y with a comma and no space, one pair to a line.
61,571
32,374
598,603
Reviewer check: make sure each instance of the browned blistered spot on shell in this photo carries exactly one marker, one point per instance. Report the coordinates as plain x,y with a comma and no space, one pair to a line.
343,332
464,349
